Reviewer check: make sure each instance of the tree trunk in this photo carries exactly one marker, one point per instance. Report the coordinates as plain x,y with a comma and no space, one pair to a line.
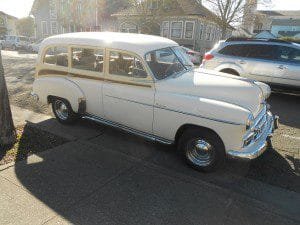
7,129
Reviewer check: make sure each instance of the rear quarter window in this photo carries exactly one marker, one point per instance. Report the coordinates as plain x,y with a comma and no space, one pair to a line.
56,56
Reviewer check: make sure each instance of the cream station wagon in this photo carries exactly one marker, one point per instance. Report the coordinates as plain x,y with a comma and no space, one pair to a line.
146,85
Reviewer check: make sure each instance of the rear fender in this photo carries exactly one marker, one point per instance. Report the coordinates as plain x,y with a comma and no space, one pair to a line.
61,87
231,66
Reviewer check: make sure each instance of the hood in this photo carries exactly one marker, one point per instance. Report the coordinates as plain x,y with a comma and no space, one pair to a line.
216,86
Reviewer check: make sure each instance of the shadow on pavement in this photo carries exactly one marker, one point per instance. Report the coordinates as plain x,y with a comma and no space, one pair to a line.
107,176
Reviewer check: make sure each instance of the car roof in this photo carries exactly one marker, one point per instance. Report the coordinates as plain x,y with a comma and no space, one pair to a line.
260,42
137,43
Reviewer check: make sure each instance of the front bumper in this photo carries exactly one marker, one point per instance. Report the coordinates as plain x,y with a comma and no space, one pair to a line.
260,146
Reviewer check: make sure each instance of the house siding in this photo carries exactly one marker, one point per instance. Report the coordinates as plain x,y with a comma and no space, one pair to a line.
198,43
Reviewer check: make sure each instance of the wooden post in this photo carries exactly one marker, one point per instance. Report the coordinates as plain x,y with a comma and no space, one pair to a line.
7,129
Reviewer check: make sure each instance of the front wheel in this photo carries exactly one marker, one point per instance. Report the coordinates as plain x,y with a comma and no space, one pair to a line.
63,111
14,48
203,150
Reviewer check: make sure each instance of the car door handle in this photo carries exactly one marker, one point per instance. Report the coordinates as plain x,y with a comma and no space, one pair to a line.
282,67
242,62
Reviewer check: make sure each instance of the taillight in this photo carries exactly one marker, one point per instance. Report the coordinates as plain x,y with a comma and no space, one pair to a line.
208,56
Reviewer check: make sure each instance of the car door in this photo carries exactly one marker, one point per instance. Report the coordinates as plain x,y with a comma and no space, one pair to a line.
128,93
260,63
288,63
87,71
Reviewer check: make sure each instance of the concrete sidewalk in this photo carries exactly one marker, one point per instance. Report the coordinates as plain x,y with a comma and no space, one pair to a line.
21,116
85,183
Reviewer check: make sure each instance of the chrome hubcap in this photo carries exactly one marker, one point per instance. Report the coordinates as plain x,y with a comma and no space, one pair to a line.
61,110
200,152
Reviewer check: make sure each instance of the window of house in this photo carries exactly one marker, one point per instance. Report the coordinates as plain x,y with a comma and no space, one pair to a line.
153,4
44,27
165,29
208,33
63,5
53,12
201,31
189,29
88,59
128,28
126,65
57,56
79,7
176,29
53,27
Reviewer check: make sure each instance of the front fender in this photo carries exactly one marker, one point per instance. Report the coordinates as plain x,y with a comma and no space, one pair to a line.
61,87
172,111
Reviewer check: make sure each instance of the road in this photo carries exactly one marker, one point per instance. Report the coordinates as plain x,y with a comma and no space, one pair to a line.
280,166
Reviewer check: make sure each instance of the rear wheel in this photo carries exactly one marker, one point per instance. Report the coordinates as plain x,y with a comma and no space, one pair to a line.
203,150
63,111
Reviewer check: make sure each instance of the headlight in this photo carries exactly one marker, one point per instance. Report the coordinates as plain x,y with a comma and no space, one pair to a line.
249,122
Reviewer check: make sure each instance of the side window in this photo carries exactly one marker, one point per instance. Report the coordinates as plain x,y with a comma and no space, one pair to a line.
123,64
57,56
287,54
235,50
267,52
88,59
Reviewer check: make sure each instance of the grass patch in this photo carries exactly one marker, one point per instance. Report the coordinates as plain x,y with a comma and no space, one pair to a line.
30,140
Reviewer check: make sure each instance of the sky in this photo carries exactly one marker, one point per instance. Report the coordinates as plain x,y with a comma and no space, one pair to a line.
21,8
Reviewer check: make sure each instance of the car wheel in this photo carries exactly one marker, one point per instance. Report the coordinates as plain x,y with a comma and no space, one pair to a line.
230,71
202,150
63,111
14,48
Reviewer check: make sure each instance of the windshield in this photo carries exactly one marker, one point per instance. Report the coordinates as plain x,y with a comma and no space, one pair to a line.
168,61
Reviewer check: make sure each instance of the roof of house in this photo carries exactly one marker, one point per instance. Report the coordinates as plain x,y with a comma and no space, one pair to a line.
189,7
9,16
137,43
286,22
265,34
290,13
34,6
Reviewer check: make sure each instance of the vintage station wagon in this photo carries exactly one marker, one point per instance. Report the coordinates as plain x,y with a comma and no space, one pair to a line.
146,85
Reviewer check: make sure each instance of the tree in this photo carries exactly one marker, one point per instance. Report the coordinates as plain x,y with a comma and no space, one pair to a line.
25,26
147,13
232,12
229,12
7,129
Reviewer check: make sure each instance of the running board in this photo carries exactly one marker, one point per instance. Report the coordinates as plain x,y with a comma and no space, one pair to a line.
128,130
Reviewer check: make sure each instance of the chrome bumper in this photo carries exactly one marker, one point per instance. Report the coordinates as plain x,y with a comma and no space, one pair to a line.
260,146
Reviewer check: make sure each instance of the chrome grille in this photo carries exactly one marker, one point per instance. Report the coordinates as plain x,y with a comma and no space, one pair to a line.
260,123
257,128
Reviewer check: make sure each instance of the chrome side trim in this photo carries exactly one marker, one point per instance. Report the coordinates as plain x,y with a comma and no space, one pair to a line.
125,99
148,136
191,114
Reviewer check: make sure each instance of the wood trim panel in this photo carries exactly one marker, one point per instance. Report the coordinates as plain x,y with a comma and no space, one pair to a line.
63,73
